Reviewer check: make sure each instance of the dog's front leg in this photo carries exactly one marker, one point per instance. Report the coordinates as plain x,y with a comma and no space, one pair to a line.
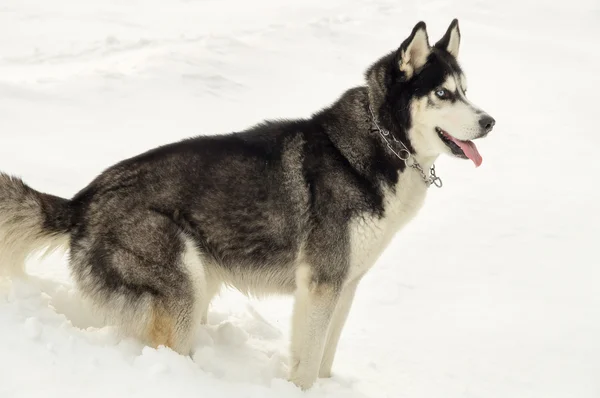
335,329
313,309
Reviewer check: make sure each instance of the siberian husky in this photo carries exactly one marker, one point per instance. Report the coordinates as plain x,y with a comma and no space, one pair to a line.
299,207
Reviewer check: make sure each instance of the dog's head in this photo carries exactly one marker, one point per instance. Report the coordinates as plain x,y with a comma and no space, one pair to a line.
419,93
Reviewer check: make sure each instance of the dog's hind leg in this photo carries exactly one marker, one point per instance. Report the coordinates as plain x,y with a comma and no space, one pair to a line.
145,276
314,306
213,286
205,286
174,324
164,329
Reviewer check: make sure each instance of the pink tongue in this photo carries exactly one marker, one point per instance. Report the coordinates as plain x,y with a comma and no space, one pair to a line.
469,148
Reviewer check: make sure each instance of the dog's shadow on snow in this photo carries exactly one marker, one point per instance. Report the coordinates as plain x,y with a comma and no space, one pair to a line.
237,347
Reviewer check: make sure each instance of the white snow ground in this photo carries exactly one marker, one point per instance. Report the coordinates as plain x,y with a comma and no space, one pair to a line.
494,289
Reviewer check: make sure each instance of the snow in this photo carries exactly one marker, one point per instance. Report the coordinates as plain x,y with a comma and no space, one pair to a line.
492,291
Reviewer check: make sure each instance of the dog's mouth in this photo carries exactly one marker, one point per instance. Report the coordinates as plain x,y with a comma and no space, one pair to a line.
459,148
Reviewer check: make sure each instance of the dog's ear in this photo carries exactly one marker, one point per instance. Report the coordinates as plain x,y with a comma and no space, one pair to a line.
451,40
413,52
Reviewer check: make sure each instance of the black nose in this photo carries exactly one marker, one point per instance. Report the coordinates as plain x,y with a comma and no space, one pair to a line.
487,123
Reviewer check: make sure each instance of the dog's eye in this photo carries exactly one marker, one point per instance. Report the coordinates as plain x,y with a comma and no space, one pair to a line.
442,93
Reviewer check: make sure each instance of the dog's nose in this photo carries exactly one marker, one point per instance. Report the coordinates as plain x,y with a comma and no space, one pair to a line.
487,123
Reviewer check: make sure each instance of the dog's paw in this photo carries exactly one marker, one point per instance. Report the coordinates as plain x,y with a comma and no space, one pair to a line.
302,379
302,383
325,373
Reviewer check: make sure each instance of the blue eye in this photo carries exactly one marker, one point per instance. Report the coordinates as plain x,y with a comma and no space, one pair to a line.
441,93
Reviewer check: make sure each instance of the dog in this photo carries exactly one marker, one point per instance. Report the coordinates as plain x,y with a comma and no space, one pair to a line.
301,207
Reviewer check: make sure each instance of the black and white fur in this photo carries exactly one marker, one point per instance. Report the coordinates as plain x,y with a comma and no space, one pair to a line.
299,207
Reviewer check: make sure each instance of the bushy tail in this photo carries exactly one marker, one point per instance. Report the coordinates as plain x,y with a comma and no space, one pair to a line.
30,221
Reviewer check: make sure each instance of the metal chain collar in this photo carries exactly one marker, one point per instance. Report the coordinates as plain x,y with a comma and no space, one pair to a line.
405,155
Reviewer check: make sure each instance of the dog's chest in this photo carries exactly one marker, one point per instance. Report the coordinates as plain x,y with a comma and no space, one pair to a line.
370,235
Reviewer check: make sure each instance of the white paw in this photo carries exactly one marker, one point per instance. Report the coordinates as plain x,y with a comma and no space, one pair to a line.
302,377
325,373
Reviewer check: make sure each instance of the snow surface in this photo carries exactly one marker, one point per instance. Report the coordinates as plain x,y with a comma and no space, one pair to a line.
493,290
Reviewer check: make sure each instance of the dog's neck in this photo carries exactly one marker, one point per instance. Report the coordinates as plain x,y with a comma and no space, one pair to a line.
396,138
382,117
379,118
425,161
424,157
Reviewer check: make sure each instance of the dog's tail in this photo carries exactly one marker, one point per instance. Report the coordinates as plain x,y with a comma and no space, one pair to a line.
30,221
